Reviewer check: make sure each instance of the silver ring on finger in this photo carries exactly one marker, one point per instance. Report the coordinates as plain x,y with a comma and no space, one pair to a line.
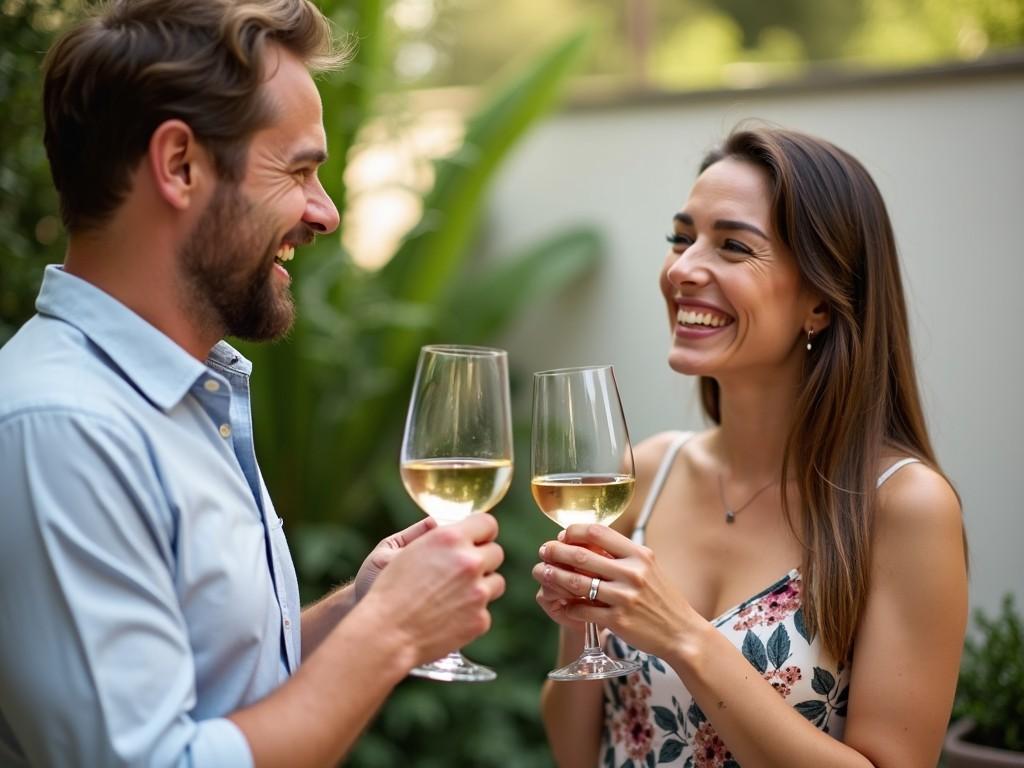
595,584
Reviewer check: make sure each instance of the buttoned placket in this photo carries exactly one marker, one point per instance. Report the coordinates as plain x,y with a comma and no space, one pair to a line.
238,413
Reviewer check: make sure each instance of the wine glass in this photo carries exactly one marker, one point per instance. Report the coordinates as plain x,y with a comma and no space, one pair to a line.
582,472
457,452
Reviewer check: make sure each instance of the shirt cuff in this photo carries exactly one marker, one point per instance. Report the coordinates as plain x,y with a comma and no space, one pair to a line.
220,744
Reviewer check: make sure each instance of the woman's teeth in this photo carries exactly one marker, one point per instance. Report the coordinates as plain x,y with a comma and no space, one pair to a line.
285,253
687,317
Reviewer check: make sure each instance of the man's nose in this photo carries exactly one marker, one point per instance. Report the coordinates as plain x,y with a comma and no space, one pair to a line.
321,214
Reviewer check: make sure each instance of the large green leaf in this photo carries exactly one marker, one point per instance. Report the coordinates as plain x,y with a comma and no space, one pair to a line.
428,259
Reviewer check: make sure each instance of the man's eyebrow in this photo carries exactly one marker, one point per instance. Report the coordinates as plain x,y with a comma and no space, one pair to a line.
315,156
687,219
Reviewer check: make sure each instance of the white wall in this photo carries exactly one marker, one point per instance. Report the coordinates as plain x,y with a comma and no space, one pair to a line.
946,153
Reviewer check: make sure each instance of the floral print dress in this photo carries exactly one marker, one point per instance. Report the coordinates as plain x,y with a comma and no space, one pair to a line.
650,719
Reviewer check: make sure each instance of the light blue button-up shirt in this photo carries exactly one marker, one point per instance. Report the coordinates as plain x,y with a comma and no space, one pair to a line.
146,588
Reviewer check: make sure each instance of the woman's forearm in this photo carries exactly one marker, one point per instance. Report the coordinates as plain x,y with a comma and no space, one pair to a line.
761,729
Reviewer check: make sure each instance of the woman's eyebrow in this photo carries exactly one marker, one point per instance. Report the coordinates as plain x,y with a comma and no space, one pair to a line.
687,219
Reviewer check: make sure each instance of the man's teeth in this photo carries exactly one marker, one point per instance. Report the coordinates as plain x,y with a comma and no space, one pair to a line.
700,318
285,253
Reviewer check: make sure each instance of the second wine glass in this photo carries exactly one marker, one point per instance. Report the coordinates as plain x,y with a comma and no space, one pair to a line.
457,452
582,472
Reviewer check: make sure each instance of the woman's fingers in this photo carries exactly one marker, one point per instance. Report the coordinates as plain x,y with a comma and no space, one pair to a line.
566,585
593,535
580,558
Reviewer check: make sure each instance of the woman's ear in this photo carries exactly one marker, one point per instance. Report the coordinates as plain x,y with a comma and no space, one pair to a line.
819,317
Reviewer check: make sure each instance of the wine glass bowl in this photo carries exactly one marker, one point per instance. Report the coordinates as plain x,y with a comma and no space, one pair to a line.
456,457
582,472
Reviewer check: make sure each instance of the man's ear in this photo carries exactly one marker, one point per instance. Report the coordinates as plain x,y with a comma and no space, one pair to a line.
180,167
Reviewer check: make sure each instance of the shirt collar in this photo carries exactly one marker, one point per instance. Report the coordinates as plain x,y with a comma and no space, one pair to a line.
157,366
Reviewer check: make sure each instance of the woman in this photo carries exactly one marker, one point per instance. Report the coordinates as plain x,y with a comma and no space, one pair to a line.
795,582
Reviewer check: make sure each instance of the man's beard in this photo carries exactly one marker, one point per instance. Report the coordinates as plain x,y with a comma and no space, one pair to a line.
228,263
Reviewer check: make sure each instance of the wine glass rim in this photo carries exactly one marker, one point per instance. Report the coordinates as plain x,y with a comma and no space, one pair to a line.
573,369
464,349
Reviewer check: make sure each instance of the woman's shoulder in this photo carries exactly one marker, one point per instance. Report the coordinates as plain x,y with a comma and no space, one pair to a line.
915,493
649,454
917,507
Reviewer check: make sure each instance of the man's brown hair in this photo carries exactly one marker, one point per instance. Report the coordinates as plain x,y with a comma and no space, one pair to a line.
133,64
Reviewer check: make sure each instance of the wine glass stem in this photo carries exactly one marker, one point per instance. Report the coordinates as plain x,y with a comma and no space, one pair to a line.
591,642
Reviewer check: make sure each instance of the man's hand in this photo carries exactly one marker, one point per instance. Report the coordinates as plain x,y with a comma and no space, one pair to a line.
436,589
385,552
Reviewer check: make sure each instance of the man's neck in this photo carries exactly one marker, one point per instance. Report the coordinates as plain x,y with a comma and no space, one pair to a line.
140,272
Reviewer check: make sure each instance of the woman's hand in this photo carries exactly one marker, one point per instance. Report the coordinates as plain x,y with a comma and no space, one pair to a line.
634,598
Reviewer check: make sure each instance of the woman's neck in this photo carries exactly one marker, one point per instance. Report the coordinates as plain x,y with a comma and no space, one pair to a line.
756,418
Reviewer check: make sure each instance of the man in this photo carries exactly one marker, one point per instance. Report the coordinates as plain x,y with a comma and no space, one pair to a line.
149,606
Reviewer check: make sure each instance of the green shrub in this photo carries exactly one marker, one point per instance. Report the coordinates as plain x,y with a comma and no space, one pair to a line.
990,690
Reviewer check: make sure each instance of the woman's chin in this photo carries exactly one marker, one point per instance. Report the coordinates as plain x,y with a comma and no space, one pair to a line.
688,365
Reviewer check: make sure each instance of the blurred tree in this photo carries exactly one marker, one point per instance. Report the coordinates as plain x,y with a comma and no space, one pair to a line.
695,43
30,230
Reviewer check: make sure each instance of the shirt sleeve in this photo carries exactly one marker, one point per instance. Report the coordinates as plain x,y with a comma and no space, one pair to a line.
95,662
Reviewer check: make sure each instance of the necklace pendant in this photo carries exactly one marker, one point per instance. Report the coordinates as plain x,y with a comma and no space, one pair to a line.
730,516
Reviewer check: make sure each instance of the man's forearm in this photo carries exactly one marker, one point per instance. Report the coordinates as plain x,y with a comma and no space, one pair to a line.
322,616
316,717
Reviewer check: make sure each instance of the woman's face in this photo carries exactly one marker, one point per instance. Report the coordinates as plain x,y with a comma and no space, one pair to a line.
736,301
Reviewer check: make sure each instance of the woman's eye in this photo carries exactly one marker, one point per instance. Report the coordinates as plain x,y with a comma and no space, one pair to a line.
678,239
736,246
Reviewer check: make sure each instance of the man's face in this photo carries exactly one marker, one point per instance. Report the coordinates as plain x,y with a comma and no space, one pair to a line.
234,257
229,263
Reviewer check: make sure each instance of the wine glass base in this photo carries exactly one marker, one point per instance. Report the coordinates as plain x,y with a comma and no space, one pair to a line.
594,666
455,668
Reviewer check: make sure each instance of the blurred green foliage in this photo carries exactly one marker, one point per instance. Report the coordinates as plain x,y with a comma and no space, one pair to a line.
990,690
329,401
698,43
30,232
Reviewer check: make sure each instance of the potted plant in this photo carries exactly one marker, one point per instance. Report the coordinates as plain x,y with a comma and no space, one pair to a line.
988,713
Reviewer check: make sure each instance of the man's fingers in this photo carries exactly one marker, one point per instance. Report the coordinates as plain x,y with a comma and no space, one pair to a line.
495,584
481,528
410,534
492,556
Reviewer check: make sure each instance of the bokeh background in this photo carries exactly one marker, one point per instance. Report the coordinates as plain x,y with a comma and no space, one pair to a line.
507,172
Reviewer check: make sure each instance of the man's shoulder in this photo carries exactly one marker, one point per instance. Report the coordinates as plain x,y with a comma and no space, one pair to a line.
51,366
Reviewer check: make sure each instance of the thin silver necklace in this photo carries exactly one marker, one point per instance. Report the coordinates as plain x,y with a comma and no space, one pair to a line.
730,513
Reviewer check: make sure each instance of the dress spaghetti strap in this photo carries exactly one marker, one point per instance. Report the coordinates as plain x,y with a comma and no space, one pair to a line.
894,469
659,482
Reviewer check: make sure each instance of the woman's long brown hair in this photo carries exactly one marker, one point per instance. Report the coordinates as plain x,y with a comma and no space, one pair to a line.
859,394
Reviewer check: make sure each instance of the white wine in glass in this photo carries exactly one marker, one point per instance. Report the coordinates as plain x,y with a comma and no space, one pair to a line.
582,472
457,452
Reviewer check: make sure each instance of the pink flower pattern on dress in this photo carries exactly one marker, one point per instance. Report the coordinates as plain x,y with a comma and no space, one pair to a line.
709,751
775,607
782,680
631,726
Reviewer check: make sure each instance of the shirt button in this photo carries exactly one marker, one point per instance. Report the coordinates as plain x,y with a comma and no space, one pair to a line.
287,623
211,385
225,431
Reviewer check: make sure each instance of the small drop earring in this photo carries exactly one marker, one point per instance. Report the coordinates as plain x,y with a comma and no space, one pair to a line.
810,335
